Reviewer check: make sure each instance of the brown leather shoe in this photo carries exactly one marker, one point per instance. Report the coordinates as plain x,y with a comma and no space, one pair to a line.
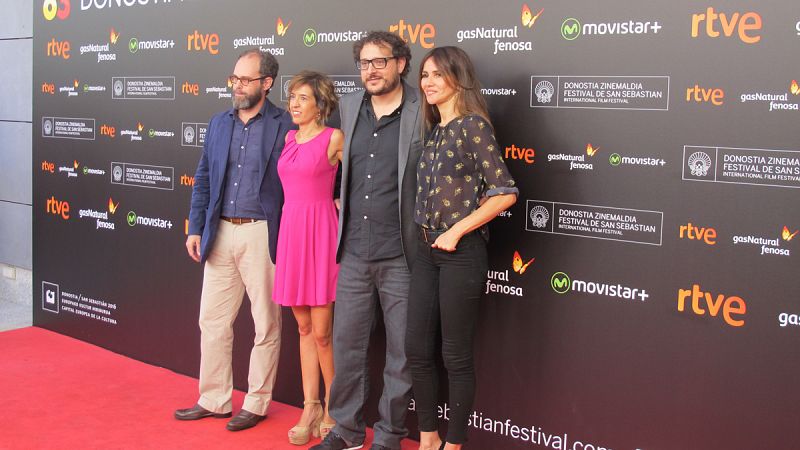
244,420
198,412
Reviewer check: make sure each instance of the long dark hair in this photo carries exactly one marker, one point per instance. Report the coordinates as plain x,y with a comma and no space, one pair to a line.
457,69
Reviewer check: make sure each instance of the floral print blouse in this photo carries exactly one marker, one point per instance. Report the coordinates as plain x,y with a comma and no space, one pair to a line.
460,163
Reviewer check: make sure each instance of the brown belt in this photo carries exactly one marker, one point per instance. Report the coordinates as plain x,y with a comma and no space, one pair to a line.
238,220
429,236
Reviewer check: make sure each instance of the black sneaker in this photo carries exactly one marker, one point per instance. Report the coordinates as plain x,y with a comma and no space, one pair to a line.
335,442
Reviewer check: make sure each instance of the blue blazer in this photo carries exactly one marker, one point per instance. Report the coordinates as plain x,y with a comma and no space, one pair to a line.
206,205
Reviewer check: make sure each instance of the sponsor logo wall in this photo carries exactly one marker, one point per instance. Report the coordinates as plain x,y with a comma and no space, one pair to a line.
647,271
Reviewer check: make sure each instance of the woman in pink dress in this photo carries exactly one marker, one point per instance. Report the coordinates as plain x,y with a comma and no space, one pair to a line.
306,269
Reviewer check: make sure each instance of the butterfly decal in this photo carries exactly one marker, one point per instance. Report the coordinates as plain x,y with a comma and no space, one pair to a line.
518,266
528,19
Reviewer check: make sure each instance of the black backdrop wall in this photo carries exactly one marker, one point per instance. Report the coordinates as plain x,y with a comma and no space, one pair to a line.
655,145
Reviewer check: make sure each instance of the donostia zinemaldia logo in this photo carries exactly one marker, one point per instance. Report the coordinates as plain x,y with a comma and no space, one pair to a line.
188,134
309,37
699,163
614,159
131,218
286,88
118,88
117,173
133,45
560,282
570,29
544,91
48,126
539,216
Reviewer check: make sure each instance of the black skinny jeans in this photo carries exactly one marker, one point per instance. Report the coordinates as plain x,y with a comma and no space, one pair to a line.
445,291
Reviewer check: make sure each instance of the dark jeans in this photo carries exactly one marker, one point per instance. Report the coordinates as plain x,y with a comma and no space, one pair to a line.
445,291
363,287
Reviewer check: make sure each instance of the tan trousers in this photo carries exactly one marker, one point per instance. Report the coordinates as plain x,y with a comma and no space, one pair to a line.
239,260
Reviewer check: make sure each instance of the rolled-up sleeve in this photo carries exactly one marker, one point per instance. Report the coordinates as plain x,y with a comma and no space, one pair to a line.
497,180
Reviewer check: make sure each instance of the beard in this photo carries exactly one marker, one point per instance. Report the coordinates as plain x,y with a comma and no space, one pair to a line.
389,85
246,102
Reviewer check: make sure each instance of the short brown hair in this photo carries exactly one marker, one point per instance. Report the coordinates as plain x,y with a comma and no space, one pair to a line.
321,86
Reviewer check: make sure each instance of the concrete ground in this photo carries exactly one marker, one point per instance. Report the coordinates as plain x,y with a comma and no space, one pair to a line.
16,310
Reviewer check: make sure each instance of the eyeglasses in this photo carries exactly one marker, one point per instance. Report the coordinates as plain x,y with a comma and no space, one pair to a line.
378,63
244,80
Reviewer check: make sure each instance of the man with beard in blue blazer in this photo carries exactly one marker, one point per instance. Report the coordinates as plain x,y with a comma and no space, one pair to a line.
233,229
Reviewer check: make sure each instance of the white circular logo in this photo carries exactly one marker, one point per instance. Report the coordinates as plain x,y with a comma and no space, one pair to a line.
188,134
539,216
699,163
544,91
118,88
117,172
48,126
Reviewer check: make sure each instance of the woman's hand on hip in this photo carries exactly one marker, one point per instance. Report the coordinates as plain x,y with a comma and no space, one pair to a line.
447,241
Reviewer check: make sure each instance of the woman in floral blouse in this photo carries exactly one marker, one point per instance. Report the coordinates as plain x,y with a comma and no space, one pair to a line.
463,183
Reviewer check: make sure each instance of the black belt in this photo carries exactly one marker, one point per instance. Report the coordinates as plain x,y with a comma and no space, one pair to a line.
429,236
238,220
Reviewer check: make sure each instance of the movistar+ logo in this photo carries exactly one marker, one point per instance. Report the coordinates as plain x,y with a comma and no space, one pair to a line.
562,283
310,37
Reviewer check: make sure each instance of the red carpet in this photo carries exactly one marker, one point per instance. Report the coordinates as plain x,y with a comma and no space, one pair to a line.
58,392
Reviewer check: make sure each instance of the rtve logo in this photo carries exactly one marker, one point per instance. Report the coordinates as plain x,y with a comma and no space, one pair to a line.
190,88
522,154
200,42
695,233
57,207
187,180
422,34
52,9
741,23
58,48
48,88
47,166
697,94
729,306
108,130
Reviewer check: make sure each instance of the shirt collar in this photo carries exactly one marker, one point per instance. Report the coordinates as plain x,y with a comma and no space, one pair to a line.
368,102
261,112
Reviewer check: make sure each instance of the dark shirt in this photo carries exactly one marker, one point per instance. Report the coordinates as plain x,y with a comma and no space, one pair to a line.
460,164
373,214
240,194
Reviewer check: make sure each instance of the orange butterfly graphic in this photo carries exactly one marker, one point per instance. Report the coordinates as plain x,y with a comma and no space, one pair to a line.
281,28
788,235
528,19
112,207
518,266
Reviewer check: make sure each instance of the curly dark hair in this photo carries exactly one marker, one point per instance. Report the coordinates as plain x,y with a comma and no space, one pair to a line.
385,39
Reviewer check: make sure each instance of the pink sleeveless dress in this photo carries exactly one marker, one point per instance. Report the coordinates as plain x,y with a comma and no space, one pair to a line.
306,269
